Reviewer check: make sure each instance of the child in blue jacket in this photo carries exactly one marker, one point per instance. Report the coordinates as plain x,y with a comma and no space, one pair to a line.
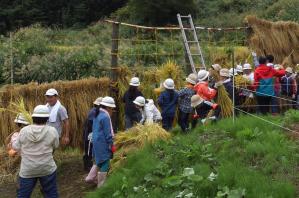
168,101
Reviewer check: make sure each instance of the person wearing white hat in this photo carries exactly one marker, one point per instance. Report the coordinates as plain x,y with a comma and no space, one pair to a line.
248,73
232,72
239,69
185,108
36,144
102,138
58,116
216,67
202,87
202,109
227,82
87,133
150,113
20,122
288,88
132,114
168,101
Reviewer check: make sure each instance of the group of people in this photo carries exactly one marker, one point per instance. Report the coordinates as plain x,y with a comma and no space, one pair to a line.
36,143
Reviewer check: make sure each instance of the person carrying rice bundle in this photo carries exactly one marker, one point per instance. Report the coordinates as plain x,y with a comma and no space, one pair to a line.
288,89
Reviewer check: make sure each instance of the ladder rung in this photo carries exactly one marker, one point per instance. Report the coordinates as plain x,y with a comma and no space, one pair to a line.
185,16
195,54
187,28
191,41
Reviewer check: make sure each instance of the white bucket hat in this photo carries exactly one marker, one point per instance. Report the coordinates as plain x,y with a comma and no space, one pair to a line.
192,78
98,101
41,111
216,67
51,92
20,119
196,100
108,102
239,68
140,101
203,75
247,66
289,70
224,72
135,82
232,72
168,83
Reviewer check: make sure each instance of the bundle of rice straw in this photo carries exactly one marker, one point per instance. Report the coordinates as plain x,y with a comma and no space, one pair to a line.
136,138
241,82
223,98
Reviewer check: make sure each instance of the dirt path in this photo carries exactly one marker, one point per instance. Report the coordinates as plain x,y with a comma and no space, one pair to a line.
70,182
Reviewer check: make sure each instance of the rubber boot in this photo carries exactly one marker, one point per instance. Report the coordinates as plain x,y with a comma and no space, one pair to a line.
92,175
101,178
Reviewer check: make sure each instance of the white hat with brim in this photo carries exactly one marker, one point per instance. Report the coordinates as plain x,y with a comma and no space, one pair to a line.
137,103
52,92
289,70
168,87
108,102
41,111
204,77
20,119
224,73
135,82
98,101
190,81
196,100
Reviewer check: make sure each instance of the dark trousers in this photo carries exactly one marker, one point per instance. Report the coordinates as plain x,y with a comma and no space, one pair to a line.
48,184
264,104
167,122
183,120
203,111
87,157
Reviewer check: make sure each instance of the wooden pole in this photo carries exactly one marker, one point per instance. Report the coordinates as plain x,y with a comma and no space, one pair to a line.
114,51
11,60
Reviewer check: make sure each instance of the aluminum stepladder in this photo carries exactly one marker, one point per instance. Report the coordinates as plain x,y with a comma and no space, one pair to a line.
194,41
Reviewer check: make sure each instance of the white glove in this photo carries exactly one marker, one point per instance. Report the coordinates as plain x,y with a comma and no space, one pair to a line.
251,95
203,121
253,54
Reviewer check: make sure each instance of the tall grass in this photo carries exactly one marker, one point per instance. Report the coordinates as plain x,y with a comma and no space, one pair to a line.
248,157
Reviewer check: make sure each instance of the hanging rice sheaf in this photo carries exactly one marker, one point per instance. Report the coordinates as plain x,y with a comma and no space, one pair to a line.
77,96
281,39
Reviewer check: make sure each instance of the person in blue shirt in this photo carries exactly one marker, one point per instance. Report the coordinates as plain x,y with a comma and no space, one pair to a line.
168,101
102,138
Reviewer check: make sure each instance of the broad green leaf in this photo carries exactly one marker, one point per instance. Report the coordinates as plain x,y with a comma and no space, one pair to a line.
195,178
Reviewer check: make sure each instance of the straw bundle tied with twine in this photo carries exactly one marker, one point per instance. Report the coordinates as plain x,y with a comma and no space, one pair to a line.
281,39
136,138
223,98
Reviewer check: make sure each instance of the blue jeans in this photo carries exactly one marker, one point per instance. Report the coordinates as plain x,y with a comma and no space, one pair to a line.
167,122
104,166
48,183
183,120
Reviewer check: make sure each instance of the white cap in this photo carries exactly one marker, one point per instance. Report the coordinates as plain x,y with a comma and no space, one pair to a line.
239,68
216,67
247,66
289,70
168,83
98,101
140,101
203,75
20,119
135,82
41,111
51,92
224,72
192,78
108,102
231,70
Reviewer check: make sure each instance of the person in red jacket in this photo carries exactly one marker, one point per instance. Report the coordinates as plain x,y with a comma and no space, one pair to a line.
264,84
202,87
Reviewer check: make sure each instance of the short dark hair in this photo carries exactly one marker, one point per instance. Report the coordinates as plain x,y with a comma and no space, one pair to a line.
270,58
262,60
38,120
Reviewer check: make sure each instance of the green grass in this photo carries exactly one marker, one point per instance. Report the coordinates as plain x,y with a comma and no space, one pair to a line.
250,158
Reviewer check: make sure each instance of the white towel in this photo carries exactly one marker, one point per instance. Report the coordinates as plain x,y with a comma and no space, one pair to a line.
53,111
